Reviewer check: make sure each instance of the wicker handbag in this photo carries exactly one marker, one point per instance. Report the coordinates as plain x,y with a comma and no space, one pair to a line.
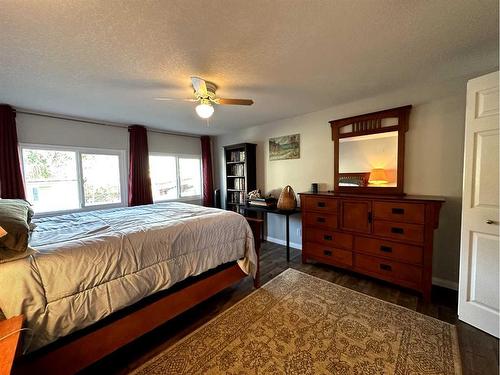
287,201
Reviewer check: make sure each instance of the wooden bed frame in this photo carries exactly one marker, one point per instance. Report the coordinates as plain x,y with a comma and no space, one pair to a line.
85,347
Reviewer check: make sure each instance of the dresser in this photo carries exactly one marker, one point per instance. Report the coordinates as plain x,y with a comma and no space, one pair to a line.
386,237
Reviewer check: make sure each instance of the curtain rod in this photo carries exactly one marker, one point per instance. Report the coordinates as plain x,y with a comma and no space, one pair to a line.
95,122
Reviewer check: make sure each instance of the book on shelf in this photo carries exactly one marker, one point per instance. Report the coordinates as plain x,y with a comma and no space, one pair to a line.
237,156
239,183
237,170
236,197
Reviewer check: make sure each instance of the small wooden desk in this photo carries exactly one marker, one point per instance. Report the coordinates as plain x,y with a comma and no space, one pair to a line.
9,345
265,211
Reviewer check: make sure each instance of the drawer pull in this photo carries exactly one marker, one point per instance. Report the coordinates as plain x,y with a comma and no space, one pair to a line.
321,204
327,237
321,220
386,249
397,230
398,211
385,267
327,253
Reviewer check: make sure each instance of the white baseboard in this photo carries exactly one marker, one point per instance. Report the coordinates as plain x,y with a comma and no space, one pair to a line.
435,280
445,283
283,242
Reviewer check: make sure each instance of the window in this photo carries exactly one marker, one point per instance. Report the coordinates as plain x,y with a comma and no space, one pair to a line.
175,177
65,179
51,180
101,179
190,177
163,171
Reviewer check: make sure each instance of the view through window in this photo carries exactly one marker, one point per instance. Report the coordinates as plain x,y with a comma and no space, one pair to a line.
63,179
174,177
101,179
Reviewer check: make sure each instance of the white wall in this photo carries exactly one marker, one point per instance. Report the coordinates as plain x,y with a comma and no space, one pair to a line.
51,131
433,158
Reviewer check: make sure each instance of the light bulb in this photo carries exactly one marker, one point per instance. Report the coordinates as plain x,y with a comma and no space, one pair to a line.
204,110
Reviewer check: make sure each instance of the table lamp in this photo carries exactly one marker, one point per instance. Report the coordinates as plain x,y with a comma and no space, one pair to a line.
378,177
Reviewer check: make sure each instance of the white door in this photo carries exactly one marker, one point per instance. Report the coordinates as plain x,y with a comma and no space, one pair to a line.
479,291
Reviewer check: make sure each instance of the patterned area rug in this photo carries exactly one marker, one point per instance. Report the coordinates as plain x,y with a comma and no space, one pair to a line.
299,324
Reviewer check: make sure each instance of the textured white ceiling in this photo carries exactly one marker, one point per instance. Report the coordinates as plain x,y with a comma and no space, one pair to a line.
107,59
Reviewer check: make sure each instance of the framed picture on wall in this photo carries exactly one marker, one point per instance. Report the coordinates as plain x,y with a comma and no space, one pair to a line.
285,147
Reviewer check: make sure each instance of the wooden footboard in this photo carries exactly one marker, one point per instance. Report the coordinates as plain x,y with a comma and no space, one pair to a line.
83,348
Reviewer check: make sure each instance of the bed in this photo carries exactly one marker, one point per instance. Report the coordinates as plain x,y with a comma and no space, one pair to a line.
89,266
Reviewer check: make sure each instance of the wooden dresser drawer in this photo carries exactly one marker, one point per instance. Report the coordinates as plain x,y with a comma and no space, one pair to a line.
388,268
401,212
329,254
319,204
388,249
320,220
400,231
329,238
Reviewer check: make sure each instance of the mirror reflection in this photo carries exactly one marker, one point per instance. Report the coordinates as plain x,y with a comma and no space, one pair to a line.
369,160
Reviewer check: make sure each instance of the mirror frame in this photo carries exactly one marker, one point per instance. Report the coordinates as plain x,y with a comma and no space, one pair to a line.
371,123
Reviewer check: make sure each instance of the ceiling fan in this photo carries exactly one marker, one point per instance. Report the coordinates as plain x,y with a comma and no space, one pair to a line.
204,93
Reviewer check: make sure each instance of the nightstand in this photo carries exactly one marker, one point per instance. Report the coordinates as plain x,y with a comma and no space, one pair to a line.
9,345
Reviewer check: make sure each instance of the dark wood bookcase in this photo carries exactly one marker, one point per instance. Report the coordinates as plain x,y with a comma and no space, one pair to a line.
240,173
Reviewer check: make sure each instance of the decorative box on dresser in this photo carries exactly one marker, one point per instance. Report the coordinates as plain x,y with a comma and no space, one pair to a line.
387,237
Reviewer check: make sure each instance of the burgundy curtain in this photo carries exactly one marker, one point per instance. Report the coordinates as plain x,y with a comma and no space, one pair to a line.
139,182
11,181
206,161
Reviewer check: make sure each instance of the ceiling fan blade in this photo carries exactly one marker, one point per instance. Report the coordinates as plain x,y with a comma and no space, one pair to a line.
200,86
177,99
234,101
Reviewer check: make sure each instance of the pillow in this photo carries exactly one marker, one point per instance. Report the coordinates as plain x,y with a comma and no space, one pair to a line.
31,213
15,215
7,255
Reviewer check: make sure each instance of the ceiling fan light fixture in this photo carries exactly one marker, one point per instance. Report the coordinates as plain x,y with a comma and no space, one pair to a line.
204,109
204,93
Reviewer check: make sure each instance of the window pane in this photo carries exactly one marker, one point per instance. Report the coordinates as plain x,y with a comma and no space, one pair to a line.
51,179
190,176
101,179
163,173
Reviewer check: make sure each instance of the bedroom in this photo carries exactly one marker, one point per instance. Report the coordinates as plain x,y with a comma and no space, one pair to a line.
138,258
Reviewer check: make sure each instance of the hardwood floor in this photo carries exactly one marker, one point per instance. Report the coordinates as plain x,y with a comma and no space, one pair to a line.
479,351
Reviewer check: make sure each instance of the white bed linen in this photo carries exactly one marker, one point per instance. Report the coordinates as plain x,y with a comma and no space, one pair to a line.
89,265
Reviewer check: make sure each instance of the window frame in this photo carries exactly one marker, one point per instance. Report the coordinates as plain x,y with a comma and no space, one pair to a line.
122,165
178,177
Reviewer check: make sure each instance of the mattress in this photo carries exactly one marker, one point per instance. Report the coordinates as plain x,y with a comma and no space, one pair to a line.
89,265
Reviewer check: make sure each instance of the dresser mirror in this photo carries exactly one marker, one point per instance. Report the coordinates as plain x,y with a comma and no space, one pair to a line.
369,152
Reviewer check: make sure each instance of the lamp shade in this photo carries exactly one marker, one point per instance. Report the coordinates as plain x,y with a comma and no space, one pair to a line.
204,110
3,232
378,177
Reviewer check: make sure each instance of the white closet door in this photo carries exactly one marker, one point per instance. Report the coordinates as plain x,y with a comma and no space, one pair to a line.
479,294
